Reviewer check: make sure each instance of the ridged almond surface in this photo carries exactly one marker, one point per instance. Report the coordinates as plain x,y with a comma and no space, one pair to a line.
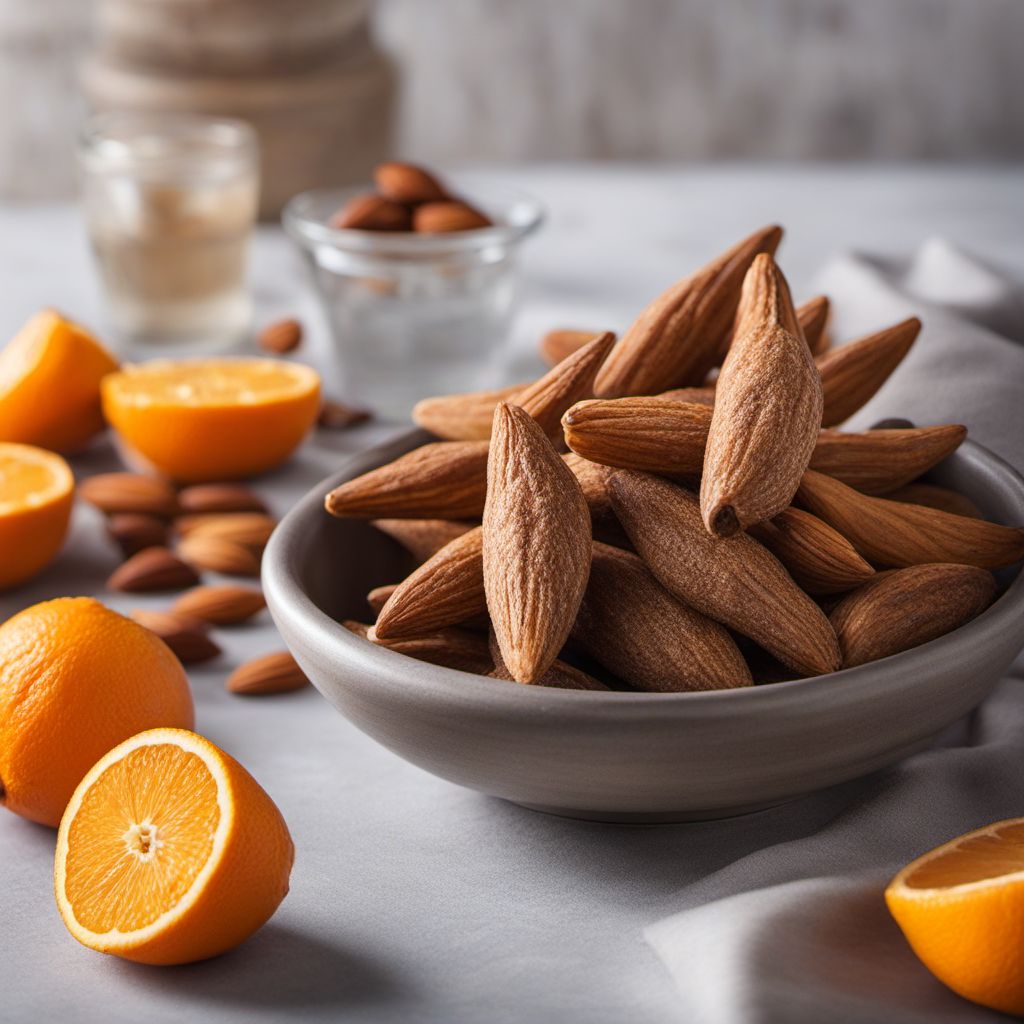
186,636
820,559
270,673
733,580
151,570
945,499
894,534
635,628
903,608
677,338
422,537
852,373
451,648
560,343
462,417
536,544
129,492
222,604
767,410
560,675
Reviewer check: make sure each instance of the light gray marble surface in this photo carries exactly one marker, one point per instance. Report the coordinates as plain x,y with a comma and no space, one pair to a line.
412,899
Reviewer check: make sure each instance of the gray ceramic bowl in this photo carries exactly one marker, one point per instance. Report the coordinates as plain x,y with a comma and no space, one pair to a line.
627,756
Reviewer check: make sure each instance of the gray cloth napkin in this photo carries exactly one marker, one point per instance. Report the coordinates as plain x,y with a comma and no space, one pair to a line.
798,930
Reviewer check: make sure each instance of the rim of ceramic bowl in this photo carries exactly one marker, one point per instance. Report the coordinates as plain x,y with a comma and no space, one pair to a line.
516,214
289,602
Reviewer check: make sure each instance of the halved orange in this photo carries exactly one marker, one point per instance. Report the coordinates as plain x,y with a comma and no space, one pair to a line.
36,489
50,375
169,852
212,419
961,907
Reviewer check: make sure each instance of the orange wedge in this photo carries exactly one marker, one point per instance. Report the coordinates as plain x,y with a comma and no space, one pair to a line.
50,377
961,907
36,489
169,852
212,419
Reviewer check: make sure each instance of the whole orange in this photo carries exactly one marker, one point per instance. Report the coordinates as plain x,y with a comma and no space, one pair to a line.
75,680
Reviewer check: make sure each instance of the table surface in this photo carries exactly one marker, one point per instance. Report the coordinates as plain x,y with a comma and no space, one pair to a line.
413,899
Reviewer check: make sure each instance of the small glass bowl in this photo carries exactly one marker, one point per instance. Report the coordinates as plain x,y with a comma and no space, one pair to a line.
414,315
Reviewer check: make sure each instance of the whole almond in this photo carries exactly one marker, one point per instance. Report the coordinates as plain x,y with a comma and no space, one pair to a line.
370,212
536,544
820,560
903,608
151,570
129,492
813,317
735,580
560,675
422,537
270,673
463,417
933,496
134,531
407,183
378,597
851,374
634,627
877,461
186,637
223,604
220,498
561,343
251,529
215,554
896,534
336,415
767,409
281,336
677,338
451,648
447,216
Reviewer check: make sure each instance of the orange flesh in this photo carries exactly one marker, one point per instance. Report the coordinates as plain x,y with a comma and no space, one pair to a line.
143,833
992,855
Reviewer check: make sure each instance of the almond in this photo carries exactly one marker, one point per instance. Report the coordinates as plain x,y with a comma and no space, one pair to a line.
151,570
251,529
851,374
370,212
134,531
220,498
895,534
813,317
451,648
378,597
223,604
186,637
677,338
407,183
933,496
422,537
447,589
338,416
735,580
270,673
634,627
560,676
820,560
281,336
903,608
129,492
561,343
443,480
767,410
215,554
447,216
536,544
463,417
877,461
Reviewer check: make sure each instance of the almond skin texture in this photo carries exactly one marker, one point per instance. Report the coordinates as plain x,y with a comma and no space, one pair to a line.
447,216
903,608
451,648
934,496
371,212
135,531
129,492
446,590
851,374
463,417
223,604
536,545
735,580
215,554
186,637
422,537
894,534
152,570
820,560
202,498
407,183
635,628
678,337
767,410
270,673
559,344
281,337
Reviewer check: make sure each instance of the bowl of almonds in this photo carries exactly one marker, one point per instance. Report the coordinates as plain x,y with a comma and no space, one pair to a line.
661,582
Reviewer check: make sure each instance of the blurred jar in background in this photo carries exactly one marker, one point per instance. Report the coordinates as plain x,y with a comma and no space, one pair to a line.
169,205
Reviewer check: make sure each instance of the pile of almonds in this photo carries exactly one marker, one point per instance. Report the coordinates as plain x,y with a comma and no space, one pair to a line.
705,529
219,527
408,198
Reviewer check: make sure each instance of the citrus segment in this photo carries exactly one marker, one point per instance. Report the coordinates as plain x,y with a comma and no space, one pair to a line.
213,419
961,907
169,852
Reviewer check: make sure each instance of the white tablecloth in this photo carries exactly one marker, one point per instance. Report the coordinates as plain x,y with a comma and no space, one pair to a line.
415,900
